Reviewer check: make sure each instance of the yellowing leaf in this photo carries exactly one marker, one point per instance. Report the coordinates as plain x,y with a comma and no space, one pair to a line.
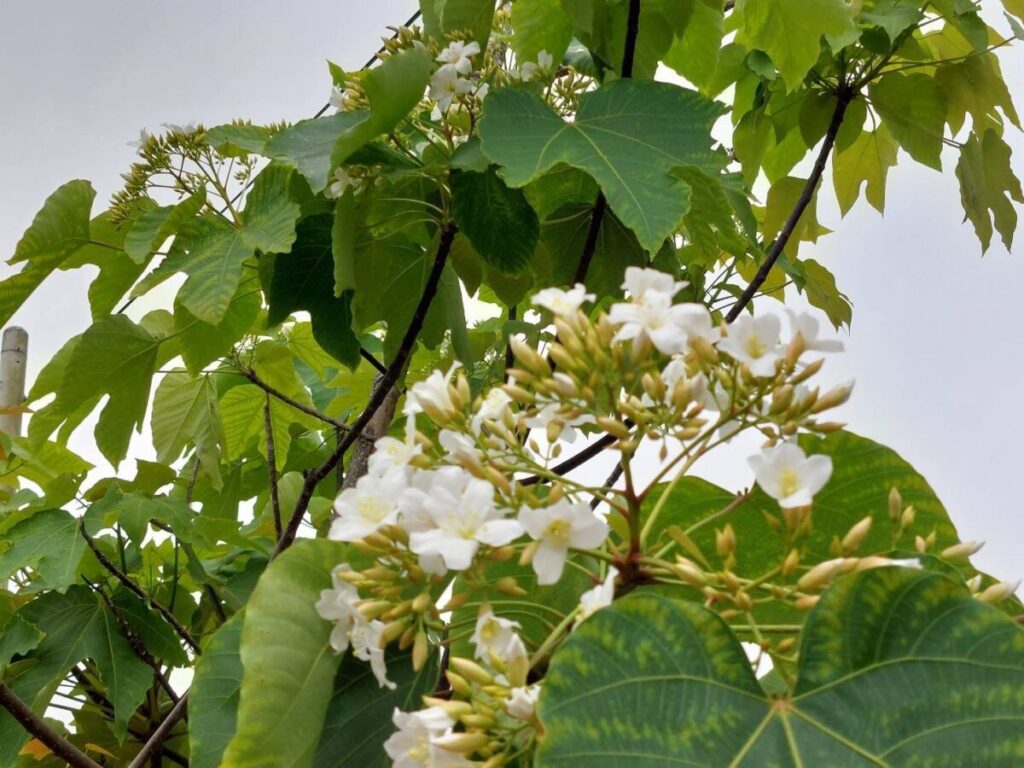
866,161
988,187
913,108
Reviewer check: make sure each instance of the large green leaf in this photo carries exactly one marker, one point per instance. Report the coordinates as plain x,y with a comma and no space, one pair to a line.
59,229
358,720
694,54
304,279
49,543
443,17
499,222
77,625
629,135
213,700
913,108
202,343
791,32
288,663
540,25
152,228
866,160
988,188
925,675
185,411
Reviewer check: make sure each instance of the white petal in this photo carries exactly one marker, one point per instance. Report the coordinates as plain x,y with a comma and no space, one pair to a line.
548,562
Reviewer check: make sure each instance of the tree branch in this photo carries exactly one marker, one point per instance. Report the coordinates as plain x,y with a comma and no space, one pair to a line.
387,381
632,33
577,459
843,98
39,728
252,376
138,591
378,426
275,499
161,733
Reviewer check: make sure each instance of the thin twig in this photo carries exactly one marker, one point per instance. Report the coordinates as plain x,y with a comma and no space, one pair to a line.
39,728
275,499
161,733
273,391
577,459
387,381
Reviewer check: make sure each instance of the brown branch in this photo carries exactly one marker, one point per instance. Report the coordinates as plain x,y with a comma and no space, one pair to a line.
575,460
252,376
139,592
843,98
39,728
275,499
387,381
378,426
161,733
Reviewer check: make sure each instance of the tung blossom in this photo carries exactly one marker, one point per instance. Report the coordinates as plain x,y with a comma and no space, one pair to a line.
522,702
754,341
564,303
458,55
367,645
559,527
413,745
391,453
789,475
341,181
549,416
530,69
807,326
431,395
338,604
494,637
650,313
446,84
371,504
599,597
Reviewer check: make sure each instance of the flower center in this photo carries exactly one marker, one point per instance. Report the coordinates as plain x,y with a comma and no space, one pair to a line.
789,482
558,530
370,508
755,347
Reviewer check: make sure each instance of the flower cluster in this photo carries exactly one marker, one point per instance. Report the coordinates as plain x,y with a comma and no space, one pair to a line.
453,79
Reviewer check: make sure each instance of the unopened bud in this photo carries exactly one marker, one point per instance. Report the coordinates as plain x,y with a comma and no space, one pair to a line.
393,631
809,370
743,602
856,535
999,591
509,586
794,350
782,398
477,721
422,602
654,386
526,556
470,670
463,743
920,544
518,394
689,573
823,573
787,645
962,551
456,601
420,650
725,541
895,504
371,609
704,349
907,518
529,357
613,426
458,683
806,602
790,564
832,399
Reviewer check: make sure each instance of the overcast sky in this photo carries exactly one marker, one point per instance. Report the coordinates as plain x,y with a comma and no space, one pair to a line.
937,343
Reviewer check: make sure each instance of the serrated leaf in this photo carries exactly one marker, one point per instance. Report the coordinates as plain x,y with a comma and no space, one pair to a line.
499,222
988,187
238,139
287,660
304,279
213,699
268,221
185,411
47,542
913,108
925,674
865,161
59,229
791,32
629,135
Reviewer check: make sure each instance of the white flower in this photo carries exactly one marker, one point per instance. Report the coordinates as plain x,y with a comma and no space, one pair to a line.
338,605
367,646
550,413
695,321
432,393
391,453
453,516
368,506
492,408
143,140
558,527
446,84
560,302
412,745
184,130
494,636
460,447
650,313
341,99
754,341
522,702
807,326
545,61
544,64
638,281
342,180
788,475
458,55
599,597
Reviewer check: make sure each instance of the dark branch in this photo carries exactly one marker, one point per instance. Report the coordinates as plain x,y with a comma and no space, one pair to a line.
161,733
576,460
632,33
138,591
252,376
386,382
590,244
275,499
39,728
843,99
372,360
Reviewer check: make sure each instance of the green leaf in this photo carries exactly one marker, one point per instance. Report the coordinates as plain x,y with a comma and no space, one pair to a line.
114,357
498,221
925,675
304,279
318,145
791,32
59,229
460,15
185,411
76,626
988,187
629,135
866,161
694,54
151,229
213,699
17,638
238,139
782,199
819,285
268,221
894,16
202,343
288,662
975,87
47,542
348,219
151,628
913,108
358,719
540,25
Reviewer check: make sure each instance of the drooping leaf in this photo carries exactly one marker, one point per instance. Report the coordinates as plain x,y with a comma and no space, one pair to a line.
819,286
988,187
935,677
628,135
287,660
59,229
213,699
238,139
358,719
791,32
307,145
866,161
304,279
499,222
913,108
694,54
782,199
185,411
47,542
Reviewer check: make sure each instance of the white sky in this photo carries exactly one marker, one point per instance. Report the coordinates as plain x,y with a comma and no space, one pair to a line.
937,343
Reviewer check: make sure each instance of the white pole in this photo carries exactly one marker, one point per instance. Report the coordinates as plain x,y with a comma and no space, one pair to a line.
12,377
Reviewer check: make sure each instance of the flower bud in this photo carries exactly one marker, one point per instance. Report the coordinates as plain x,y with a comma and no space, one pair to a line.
372,609
785,646
832,399
974,583
725,541
470,670
509,586
456,601
529,357
999,591
823,573
613,426
806,602
474,720
422,602
526,556
458,683
420,650
856,535
782,398
809,370
907,518
393,631
962,551
895,504
689,573
705,350
654,386
793,351
790,564
463,743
